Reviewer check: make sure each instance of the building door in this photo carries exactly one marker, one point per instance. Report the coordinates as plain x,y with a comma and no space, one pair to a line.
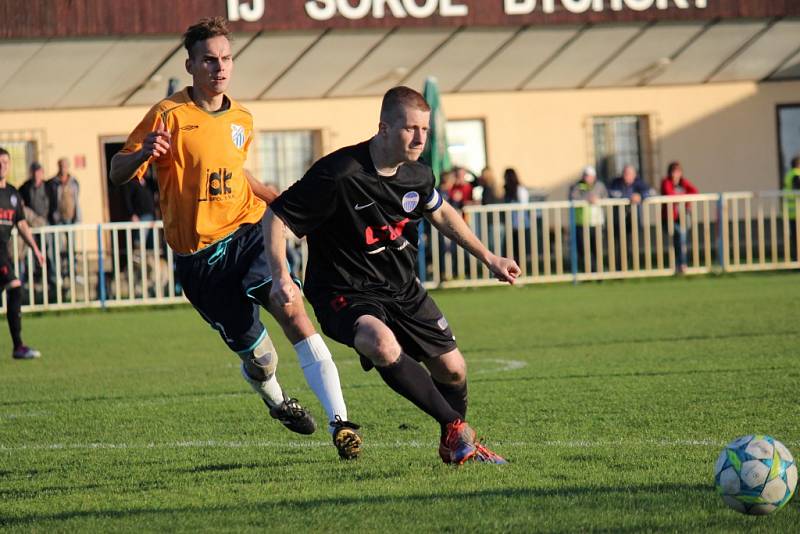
115,199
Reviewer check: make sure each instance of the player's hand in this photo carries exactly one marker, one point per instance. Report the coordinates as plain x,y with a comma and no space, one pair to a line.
158,142
504,269
283,291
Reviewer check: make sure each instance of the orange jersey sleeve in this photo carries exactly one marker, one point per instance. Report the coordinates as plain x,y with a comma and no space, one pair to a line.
136,138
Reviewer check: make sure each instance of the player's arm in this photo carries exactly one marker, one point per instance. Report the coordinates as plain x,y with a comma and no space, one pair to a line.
25,233
283,290
447,220
264,192
126,165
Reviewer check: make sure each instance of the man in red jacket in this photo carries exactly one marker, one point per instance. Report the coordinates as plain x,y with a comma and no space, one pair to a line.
675,183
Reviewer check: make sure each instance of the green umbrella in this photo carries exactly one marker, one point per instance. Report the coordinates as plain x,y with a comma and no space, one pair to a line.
435,153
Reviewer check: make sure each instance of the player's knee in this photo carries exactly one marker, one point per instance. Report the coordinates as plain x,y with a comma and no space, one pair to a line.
262,361
379,346
294,321
449,368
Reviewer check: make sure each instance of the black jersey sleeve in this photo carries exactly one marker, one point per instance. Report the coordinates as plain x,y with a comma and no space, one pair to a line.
19,208
309,202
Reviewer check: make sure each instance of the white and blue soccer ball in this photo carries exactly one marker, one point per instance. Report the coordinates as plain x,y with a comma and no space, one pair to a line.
755,475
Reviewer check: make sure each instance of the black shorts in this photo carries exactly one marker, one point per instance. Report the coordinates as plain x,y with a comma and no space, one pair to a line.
415,319
220,280
6,270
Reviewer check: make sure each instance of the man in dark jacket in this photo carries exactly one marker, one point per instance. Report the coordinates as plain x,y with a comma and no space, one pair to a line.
630,186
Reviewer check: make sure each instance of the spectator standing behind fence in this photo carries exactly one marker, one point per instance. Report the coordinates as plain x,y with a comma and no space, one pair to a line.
64,209
64,196
140,206
675,183
515,193
36,196
631,187
588,189
460,193
486,192
791,182
139,200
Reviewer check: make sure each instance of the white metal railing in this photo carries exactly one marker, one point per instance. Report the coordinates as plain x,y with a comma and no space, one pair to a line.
85,266
121,264
578,241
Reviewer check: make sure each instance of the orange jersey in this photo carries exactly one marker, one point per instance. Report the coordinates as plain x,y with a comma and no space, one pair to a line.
204,191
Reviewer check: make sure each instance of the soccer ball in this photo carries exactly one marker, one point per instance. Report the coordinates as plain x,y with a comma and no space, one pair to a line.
755,475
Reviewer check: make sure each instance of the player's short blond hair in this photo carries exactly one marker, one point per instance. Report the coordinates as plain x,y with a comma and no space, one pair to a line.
398,99
206,28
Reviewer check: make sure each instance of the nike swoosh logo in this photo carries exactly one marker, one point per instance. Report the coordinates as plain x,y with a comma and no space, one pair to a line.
358,207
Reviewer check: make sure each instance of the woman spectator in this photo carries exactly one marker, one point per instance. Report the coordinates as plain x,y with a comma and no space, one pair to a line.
515,193
487,184
675,183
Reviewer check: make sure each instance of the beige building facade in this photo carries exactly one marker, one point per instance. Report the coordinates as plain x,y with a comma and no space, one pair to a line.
546,85
724,134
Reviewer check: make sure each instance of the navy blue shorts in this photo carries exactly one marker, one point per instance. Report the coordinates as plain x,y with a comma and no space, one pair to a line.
220,280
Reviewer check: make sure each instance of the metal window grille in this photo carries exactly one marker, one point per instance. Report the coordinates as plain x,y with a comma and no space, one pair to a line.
23,152
284,156
619,141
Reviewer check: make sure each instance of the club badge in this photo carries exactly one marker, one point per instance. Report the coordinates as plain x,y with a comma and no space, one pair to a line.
237,134
410,201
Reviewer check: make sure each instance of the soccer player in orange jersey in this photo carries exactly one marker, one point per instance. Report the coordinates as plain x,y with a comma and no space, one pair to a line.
197,139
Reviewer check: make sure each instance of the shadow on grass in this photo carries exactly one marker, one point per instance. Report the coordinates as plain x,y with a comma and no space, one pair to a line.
380,385
462,500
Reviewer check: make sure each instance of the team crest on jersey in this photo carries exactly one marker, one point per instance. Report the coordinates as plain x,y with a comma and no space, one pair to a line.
410,201
237,134
13,201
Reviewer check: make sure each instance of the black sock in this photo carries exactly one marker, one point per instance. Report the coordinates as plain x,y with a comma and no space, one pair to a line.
14,314
456,397
412,381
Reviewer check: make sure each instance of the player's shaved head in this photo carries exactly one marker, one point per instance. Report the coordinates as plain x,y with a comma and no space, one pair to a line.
205,29
397,100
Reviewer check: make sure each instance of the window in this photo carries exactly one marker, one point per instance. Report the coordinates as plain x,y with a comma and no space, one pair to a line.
285,156
466,144
23,153
788,137
619,141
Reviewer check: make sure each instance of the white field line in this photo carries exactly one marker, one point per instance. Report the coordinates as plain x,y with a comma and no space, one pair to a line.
24,414
399,444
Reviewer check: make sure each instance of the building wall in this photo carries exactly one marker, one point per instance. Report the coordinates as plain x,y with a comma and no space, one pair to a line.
724,134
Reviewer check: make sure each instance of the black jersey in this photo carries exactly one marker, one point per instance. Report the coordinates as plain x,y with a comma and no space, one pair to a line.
11,212
361,227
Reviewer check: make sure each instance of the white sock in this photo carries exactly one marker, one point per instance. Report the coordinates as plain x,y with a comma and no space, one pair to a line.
322,376
269,390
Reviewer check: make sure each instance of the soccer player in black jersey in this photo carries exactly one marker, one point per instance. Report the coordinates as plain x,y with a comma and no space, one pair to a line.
359,208
12,214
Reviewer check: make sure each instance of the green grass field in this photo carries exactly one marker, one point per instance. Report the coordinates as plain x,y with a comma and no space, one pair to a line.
610,400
